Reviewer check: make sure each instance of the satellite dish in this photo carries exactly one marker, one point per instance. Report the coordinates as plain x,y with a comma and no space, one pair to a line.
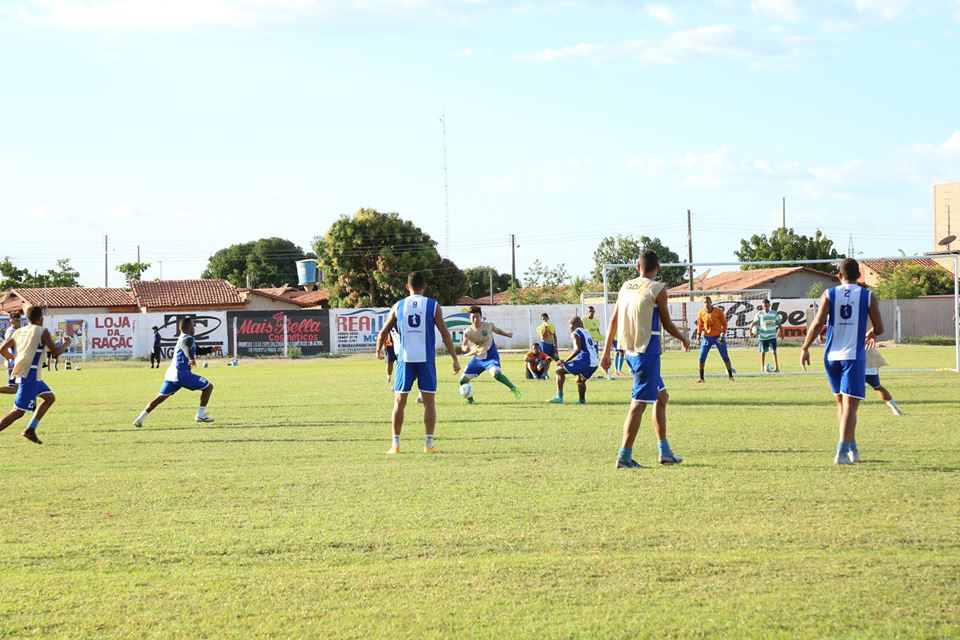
948,240
703,276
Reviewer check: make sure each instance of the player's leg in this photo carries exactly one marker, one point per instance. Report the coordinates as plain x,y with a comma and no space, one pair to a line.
167,390
14,415
396,419
561,378
582,389
722,350
499,376
763,358
429,421
47,398
631,426
205,394
705,345
873,381
776,358
852,389
646,378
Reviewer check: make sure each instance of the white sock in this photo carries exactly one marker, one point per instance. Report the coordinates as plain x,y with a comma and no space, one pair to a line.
202,412
893,406
429,440
388,378
143,416
396,442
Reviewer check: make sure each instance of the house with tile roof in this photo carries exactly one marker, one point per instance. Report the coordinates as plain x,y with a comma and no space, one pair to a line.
69,299
783,282
871,271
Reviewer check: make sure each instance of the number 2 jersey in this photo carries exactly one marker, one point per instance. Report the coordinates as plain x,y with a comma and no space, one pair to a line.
847,322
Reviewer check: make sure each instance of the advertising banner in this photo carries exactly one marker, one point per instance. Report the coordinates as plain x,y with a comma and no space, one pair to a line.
110,335
210,331
266,332
355,330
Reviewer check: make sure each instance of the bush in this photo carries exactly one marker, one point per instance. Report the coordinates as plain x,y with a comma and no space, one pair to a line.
294,353
931,341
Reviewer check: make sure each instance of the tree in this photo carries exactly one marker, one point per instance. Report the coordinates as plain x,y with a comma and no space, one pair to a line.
10,275
785,244
907,281
132,270
63,276
815,290
624,249
269,262
368,256
478,281
543,284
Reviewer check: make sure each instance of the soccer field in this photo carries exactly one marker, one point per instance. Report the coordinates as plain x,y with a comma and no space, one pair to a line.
286,518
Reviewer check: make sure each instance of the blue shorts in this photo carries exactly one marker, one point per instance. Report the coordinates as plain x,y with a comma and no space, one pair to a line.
580,367
768,345
425,374
476,366
549,349
647,382
189,381
708,343
873,379
847,377
27,393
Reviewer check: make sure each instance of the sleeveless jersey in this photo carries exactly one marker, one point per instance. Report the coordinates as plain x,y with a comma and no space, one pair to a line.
29,349
847,322
588,346
483,338
417,328
638,327
183,353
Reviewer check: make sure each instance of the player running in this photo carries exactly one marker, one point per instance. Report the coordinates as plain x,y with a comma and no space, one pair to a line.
417,319
712,330
845,309
26,347
582,362
478,342
179,376
874,362
766,324
640,312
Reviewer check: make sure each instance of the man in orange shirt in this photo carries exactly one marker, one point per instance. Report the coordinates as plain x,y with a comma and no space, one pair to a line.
537,363
712,329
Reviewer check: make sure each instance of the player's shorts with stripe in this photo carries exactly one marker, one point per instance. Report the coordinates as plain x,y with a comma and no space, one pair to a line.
27,393
647,381
769,344
847,377
549,348
423,373
476,366
185,380
872,379
707,343
391,353
580,367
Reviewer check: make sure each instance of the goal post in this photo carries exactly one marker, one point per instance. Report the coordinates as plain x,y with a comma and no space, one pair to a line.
895,325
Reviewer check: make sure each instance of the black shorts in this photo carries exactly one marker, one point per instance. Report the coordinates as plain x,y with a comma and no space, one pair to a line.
391,354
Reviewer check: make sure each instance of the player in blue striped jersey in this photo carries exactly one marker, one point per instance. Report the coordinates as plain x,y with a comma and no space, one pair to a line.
582,363
845,309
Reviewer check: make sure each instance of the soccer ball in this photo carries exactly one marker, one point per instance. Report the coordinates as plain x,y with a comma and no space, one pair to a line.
204,365
466,390
78,368
769,368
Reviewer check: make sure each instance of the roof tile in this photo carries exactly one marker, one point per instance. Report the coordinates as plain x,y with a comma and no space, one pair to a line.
166,294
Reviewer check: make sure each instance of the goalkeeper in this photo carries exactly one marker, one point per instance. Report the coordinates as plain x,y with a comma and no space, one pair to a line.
712,329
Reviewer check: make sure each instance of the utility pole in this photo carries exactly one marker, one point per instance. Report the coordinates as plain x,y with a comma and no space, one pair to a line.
513,258
446,193
139,273
106,273
490,274
690,251
850,252
783,213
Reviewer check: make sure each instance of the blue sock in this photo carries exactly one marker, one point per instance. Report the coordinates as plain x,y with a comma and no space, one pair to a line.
842,448
33,424
618,362
664,448
853,445
626,455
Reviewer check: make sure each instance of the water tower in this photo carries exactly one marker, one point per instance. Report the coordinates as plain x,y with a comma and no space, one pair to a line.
308,274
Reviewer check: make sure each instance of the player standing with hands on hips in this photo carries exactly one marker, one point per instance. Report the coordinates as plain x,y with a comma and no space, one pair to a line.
845,310
712,330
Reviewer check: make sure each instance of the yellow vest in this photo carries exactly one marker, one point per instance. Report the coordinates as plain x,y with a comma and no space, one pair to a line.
635,306
27,340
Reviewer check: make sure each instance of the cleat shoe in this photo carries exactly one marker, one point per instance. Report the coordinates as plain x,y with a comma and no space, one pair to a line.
419,398
581,402
670,458
394,451
855,456
433,449
516,393
137,423
204,419
555,400
844,459
470,400
31,435
632,464
700,381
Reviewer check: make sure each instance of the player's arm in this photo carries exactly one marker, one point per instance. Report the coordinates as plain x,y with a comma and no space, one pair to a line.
388,326
6,349
700,316
577,347
818,321
54,348
608,344
874,315
500,332
445,336
667,323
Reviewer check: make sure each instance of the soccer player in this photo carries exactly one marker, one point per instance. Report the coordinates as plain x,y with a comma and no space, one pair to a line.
712,329
155,355
845,309
810,314
592,325
25,347
766,324
582,362
536,362
390,352
417,319
548,336
640,312
619,357
478,342
179,376
11,387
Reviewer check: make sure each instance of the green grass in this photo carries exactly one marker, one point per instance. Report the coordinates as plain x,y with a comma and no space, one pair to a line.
286,518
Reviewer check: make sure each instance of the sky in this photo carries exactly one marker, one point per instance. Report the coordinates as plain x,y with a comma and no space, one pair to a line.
184,126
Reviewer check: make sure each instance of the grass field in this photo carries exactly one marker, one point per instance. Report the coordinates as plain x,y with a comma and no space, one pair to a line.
286,518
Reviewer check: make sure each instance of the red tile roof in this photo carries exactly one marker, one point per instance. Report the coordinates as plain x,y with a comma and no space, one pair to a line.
750,279
186,294
884,265
76,297
316,298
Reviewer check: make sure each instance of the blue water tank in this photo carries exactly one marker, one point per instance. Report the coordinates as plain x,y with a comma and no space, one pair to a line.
307,271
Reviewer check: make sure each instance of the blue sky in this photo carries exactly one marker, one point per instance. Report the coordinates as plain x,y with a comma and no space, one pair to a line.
186,125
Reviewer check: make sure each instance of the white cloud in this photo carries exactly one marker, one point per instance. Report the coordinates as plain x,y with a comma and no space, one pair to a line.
886,9
784,10
662,13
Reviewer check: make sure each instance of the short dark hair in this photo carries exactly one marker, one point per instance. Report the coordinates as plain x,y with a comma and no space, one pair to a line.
705,298
544,315
416,281
34,314
185,322
155,328
850,269
475,309
765,301
590,307
649,260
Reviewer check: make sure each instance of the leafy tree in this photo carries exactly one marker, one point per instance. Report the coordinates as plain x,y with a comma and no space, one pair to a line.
624,249
132,270
63,276
10,275
907,281
541,275
543,284
815,290
268,261
368,256
785,244
478,281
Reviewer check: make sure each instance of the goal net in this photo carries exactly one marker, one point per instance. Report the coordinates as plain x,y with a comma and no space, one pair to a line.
738,305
